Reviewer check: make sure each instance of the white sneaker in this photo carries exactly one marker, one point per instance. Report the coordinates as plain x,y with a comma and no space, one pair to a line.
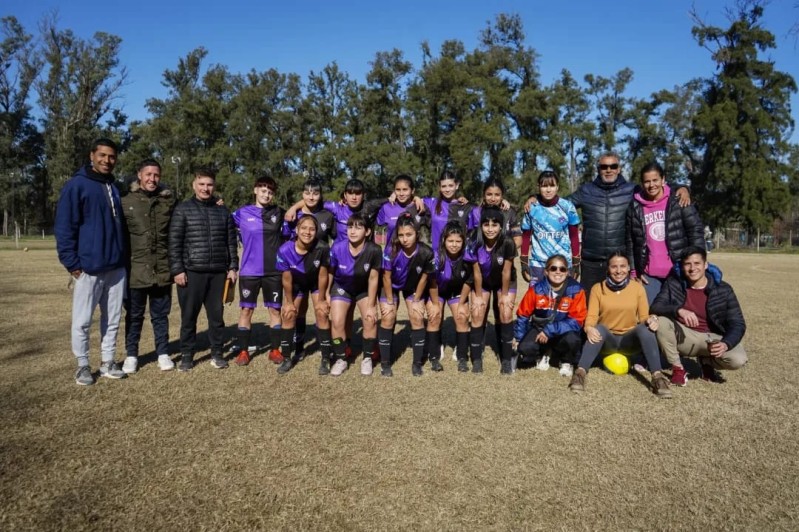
130,365
339,367
566,369
366,365
455,354
165,363
543,363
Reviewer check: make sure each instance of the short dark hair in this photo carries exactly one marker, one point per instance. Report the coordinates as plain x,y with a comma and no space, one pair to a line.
404,177
312,185
266,181
148,162
694,250
547,177
359,220
204,171
354,186
104,141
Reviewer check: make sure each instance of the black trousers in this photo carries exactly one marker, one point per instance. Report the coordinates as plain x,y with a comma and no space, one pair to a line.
202,290
565,347
160,305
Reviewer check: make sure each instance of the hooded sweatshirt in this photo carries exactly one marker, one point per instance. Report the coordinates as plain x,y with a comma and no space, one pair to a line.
659,264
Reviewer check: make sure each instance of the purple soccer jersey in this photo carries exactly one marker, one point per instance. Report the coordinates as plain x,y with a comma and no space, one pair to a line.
492,262
389,214
325,219
407,270
304,268
351,273
511,225
261,231
450,211
452,275
342,214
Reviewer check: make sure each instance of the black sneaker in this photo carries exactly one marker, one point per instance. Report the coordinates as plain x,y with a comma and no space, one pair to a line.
324,367
186,363
218,361
435,365
463,366
416,370
477,365
285,366
710,374
385,370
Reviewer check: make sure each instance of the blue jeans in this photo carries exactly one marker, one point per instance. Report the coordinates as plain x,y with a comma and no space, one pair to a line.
160,304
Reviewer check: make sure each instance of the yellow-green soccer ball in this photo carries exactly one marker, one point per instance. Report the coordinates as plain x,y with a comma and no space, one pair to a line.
616,363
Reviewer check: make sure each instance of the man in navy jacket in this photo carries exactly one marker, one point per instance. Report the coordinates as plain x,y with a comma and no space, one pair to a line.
91,245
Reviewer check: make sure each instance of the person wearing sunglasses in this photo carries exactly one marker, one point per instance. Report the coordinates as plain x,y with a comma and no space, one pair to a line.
604,203
550,317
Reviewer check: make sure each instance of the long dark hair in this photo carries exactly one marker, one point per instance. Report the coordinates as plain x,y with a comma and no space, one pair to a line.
452,228
446,174
355,186
488,214
405,220
492,182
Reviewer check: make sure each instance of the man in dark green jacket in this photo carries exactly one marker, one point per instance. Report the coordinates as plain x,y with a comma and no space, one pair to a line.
148,209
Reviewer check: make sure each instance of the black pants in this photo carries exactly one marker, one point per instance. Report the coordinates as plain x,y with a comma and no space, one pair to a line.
592,272
565,347
202,290
160,304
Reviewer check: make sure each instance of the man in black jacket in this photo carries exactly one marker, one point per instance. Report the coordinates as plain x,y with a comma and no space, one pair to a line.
202,255
703,319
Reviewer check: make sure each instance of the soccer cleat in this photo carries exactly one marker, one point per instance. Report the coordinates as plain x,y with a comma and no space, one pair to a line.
543,363
416,370
275,356
435,365
679,377
218,361
660,386
285,366
710,374
111,370
165,363
186,363
385,370
130,365
84,376
577,383
324,367
477,365
339,367
506,368
243,358
463,366
366,365
566,369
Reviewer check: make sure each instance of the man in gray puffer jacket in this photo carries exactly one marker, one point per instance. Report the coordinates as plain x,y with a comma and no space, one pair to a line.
202,255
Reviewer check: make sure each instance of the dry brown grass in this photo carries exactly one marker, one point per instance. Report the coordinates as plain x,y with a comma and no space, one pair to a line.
246,448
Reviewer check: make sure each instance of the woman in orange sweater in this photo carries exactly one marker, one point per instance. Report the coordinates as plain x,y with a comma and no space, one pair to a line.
619,321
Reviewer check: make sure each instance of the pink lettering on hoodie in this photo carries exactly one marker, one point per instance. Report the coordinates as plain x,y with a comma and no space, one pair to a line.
659,264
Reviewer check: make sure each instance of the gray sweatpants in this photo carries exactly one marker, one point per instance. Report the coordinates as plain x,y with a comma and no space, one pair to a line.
106,289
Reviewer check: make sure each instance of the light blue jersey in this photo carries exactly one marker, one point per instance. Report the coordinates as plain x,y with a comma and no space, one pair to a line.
549,231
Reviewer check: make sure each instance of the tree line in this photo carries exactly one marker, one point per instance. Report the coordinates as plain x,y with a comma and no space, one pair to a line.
482,112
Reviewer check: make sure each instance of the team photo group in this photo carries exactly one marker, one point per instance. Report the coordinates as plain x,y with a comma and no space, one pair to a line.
637,247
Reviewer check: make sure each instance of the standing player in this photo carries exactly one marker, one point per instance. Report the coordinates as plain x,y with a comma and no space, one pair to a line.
447,207
355,264
407,264
304,263
401,201
261,231
493,254
452,279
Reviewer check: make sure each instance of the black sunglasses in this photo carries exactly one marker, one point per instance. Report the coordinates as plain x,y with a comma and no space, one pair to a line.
561,269
614,166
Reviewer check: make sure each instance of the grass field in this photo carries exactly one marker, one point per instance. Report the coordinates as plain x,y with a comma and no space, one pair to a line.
246,448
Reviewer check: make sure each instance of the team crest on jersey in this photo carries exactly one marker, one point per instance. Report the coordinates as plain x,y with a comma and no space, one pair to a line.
323,226
418,269
316,263
366,267
418,218
460,213
500,260
463,274
273,218
341,291
246,293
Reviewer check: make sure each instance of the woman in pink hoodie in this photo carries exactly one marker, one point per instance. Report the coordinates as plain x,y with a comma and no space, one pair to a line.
658,230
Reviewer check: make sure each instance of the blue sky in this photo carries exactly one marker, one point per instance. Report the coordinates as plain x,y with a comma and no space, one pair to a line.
651,37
